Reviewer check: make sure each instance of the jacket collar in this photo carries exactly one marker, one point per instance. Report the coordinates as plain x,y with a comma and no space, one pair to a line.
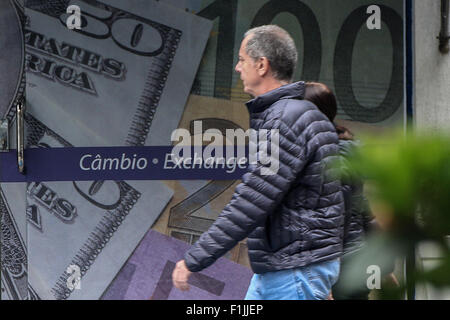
294,90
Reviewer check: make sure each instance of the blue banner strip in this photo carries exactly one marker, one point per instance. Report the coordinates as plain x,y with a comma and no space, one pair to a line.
116,163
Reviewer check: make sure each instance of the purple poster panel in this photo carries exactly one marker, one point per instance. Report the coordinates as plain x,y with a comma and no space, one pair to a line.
148,275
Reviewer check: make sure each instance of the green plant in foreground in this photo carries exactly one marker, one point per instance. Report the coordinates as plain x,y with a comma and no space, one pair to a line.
410,176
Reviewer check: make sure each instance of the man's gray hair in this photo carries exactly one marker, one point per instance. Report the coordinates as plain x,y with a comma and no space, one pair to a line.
277,46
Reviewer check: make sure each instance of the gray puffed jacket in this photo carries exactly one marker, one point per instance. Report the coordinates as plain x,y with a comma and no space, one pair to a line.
294,217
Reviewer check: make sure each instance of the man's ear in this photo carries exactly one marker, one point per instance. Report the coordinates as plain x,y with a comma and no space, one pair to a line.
263,66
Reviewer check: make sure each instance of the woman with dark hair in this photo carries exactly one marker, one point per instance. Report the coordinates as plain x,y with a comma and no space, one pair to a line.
358,221
322,96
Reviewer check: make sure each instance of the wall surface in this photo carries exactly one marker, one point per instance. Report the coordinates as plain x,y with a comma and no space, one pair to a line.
432,69
431,109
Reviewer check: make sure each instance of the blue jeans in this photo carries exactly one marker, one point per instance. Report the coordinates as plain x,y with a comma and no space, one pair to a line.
312,282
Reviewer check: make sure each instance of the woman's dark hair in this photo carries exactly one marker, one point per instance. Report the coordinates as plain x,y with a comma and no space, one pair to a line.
322,96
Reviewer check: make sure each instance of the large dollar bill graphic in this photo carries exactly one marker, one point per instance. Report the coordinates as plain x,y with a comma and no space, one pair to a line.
133,61
11,58
81,233
121,80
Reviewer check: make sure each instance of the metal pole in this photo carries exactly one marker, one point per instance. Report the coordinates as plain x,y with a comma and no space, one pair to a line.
444,36
410,270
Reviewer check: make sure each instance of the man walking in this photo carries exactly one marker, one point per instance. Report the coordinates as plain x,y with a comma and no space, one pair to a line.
293,219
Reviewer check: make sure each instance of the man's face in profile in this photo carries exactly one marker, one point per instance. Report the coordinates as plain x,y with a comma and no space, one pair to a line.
247,68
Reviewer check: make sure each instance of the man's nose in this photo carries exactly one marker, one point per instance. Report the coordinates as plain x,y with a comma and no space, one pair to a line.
237,68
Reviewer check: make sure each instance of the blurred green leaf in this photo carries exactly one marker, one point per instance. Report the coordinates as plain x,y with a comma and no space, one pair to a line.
410,174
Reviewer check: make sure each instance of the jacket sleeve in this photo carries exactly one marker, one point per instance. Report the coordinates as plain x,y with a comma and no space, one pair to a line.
353,189
369,222
254,199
